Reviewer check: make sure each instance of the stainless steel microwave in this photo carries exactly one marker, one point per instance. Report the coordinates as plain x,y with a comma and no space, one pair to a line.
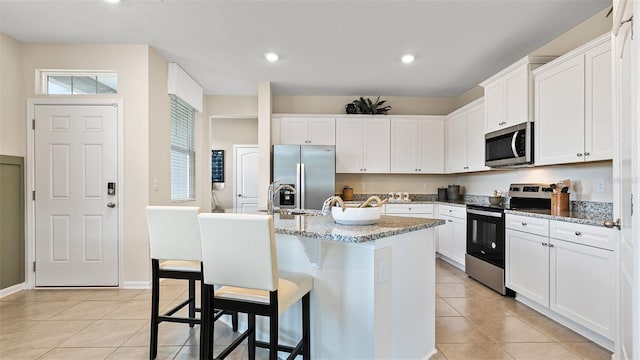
512,146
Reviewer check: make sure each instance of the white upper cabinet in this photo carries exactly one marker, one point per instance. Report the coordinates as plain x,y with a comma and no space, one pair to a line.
417,145
507,98
573,106
464,139
362,145
307,130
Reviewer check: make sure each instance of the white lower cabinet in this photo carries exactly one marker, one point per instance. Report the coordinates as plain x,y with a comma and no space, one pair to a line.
563,271
527,265
410,210
452,236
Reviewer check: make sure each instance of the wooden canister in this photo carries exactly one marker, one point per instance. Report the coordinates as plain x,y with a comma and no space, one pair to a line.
559,203
347,193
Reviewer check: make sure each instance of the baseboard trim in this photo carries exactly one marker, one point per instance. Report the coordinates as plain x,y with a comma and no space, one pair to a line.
12,289
136,284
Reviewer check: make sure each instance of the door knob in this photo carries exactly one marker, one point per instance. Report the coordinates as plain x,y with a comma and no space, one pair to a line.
111,204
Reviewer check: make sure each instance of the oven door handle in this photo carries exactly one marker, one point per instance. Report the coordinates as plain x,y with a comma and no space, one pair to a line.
485,213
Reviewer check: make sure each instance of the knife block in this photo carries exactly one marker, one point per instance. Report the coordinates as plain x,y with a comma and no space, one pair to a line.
559,203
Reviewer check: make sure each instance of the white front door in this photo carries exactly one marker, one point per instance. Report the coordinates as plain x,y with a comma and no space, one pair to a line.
246,160
625,167
76,221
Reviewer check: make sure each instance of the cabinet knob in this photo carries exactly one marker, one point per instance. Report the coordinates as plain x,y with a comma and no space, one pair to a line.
544,244
587,153
551,245
419,169
524,224
450,210
578,233
579,154
449,220
239,195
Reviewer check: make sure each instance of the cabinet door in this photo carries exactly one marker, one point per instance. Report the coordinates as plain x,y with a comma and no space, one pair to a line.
445,237
456,143
598,135
431,146
527,265
293,131
404,145
377,145
322,131
349,145
494,106
516,91
459,245
475,139
559,109
583,285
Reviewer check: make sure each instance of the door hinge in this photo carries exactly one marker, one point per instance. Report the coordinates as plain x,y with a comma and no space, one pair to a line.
33,124
33,195
34,266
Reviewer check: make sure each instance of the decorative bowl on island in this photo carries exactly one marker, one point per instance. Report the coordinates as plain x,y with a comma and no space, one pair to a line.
356,216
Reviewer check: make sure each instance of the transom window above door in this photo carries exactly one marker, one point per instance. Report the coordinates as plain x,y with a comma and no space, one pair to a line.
63,82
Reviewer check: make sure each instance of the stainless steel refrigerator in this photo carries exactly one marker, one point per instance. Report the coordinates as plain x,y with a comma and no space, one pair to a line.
310,169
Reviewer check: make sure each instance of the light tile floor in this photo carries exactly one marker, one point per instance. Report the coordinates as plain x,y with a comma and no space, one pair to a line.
472,322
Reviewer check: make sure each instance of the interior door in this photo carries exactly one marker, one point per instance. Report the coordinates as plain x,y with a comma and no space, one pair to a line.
76,219
625,167
246,160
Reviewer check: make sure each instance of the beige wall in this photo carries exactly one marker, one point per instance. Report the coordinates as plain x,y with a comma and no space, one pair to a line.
224,134
231,105
583,176
401,105
13,133
131,62
159,132
584,32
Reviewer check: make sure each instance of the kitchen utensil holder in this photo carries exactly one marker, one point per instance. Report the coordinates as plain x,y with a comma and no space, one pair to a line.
559,203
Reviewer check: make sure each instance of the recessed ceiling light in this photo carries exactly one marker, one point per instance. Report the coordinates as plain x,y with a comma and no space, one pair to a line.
112,1
408,58
271,56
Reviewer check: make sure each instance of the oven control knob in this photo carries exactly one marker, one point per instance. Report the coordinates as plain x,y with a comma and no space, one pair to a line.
493,245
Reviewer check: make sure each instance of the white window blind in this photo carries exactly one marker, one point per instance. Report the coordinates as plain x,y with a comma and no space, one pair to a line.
183,152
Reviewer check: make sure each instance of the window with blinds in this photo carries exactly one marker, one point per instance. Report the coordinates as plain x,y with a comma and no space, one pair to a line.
183,152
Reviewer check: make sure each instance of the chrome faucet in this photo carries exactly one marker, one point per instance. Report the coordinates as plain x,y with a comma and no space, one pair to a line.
272,191
326,206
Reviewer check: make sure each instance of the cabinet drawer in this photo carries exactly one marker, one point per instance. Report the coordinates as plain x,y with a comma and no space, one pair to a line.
527,224
409,209
459,212
583,234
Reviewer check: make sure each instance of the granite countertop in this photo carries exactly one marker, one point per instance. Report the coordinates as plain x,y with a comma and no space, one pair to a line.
578,217
323,227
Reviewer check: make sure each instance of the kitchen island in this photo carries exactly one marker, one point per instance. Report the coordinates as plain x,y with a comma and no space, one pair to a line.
374,286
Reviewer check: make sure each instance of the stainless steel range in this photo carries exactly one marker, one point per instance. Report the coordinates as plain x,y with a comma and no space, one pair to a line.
485,256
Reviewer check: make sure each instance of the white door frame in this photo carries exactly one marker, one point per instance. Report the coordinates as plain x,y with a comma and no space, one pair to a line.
30,179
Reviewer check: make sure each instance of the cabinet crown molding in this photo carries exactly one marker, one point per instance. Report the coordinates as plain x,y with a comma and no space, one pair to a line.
524,61
602,39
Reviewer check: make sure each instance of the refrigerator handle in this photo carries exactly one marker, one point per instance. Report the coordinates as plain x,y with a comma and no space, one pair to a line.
302,186
298,189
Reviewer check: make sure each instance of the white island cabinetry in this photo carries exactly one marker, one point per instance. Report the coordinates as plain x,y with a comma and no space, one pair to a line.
374,286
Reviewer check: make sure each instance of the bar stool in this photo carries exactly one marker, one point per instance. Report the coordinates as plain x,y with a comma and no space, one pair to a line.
239,253
174,241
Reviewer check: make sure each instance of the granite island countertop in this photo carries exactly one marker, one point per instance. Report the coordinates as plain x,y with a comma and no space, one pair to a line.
323,227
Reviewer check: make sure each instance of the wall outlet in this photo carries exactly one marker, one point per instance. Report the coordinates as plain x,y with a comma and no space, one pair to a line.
156,184
600,185
383,271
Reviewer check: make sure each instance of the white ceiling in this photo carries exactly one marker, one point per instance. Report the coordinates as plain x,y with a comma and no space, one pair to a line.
326,47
